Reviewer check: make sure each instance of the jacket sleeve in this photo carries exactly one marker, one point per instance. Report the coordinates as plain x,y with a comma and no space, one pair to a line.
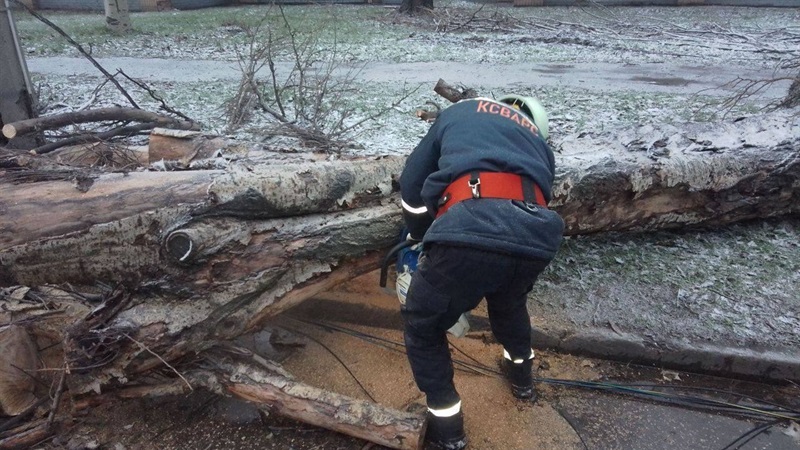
422,162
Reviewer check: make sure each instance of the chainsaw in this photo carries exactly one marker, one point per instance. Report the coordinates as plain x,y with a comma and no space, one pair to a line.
406,255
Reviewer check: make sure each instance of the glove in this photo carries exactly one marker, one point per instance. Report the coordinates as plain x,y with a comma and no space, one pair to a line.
461,327
401,286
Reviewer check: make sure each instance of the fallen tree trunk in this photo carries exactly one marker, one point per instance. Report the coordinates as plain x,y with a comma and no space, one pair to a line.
221,251
672,176
641,178
152,267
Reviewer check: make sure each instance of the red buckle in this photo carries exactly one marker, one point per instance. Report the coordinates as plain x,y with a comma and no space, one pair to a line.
490,185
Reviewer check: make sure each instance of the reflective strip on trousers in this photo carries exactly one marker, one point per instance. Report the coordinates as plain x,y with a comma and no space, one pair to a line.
507,356
446,412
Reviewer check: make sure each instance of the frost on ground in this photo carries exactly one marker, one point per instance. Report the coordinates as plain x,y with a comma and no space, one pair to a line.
734,285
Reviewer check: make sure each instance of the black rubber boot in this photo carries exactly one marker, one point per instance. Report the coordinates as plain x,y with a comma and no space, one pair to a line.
521,378
446,433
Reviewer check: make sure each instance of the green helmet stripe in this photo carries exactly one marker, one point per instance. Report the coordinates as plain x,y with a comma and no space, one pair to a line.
532,106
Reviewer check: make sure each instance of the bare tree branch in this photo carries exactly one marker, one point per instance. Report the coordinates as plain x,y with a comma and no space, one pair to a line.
164,106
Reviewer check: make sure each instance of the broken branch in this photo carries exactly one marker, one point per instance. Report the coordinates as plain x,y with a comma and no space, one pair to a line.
452,93
290,398
129,130
23,127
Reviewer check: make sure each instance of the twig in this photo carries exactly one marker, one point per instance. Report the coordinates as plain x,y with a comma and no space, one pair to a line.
164,106
144,347
128,130
273,74
470,19
300,63
746,88
57,399
380,113
262,102
80,48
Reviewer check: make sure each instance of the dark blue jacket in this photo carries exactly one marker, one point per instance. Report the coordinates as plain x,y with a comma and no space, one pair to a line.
482,135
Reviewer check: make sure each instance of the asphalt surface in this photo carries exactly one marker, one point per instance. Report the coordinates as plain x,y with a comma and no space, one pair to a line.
609,422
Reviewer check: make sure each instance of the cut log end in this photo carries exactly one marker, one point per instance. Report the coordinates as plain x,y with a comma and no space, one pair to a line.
20,360
9,131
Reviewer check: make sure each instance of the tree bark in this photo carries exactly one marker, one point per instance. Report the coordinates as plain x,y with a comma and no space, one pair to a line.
221,251
289,398
669,176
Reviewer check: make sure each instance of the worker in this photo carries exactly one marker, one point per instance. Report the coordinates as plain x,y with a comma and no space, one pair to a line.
475,193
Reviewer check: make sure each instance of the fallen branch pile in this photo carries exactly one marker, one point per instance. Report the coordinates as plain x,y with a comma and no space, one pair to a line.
148,121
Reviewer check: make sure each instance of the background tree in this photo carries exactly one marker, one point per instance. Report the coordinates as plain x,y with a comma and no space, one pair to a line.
416,6
118,17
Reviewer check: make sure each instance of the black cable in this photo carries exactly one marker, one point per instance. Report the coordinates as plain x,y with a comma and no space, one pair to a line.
675,399
776,406
340,362
480,364
381,342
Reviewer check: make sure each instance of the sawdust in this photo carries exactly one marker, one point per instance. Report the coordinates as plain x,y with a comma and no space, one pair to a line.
493,417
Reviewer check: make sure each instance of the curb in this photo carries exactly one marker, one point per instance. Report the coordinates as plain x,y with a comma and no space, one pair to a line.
751,363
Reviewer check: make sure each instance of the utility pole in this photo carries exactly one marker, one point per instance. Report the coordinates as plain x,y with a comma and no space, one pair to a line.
16,93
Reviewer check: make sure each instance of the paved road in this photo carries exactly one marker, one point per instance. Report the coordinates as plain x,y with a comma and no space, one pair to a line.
650,77
613,422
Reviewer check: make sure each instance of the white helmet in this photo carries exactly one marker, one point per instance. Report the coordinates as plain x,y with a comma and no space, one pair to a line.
531,107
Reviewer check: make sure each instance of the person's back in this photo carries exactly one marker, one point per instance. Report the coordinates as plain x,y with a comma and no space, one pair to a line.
485,135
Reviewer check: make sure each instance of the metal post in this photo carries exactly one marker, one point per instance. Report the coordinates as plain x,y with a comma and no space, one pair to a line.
16,99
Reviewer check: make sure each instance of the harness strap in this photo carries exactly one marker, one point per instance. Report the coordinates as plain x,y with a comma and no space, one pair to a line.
508,186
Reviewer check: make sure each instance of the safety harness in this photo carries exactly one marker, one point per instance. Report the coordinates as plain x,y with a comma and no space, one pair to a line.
508,186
